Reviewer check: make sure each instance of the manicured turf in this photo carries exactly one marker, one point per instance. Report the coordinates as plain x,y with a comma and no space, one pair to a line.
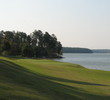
31,79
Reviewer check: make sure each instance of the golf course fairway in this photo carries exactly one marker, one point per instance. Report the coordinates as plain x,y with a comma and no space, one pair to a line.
43,79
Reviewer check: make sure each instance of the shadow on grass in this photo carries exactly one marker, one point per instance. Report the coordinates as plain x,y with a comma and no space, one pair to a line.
74,81
20,57
17,75
14,57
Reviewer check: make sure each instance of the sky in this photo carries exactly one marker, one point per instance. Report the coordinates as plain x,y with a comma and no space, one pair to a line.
76,23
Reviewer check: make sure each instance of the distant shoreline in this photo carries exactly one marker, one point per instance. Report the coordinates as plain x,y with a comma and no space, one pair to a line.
84,50
76,50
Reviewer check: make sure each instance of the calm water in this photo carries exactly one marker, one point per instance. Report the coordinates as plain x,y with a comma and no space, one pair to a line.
100,61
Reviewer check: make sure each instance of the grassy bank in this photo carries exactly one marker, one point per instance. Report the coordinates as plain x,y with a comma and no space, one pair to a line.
30,79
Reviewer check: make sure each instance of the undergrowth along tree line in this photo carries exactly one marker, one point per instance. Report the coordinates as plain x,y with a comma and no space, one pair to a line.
37,44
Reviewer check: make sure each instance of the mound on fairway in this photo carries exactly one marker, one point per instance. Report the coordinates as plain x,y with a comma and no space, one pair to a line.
30,79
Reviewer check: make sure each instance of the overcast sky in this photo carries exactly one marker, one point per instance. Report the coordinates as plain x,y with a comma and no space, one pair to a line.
76,23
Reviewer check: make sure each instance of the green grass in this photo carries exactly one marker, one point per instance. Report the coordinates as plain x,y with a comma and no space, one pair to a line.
31,79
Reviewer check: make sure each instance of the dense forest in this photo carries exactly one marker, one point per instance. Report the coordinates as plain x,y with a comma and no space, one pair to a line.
76,50
37,44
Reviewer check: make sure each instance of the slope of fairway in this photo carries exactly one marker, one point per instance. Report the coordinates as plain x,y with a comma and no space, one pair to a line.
31,79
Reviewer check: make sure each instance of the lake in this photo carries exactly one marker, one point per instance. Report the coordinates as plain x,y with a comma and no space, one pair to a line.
100,61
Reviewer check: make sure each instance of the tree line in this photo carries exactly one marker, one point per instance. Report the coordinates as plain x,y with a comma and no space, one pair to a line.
76,50
37,44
